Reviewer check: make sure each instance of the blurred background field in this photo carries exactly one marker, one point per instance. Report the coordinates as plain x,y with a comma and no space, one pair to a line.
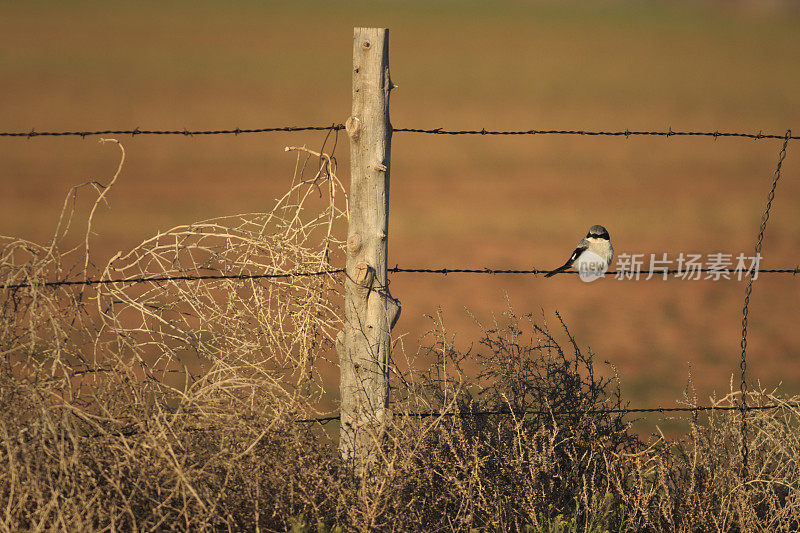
500,202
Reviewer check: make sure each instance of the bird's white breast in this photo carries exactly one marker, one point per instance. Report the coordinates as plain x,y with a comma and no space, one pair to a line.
598,255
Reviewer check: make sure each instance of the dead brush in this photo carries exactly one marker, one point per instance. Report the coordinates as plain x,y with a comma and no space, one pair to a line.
519,433
175,405
698,482
513,431
122,402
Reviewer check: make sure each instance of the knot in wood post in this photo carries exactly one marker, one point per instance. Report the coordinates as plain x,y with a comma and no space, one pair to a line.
353,128
364,275
354,243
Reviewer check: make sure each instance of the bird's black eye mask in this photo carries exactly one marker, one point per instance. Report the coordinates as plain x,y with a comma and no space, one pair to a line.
598,236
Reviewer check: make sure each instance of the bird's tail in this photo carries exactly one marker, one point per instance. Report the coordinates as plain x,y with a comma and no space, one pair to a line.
556,271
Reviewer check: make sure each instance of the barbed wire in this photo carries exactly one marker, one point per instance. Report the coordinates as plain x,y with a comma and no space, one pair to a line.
432,131
442,271
323,420
159,279
619,133
186,132
570,412
653,272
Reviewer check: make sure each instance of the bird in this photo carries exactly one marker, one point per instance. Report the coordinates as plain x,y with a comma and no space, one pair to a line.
593,253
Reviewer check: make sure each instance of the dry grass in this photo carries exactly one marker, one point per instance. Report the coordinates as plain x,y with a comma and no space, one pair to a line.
174,406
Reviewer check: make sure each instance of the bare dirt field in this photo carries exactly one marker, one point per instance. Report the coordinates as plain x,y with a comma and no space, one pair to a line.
474,202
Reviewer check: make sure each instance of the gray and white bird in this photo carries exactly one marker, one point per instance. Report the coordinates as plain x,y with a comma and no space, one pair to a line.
593,254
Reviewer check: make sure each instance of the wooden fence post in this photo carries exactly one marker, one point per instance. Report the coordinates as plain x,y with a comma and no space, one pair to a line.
370,311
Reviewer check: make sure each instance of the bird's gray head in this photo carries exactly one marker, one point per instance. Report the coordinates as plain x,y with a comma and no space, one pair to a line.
598,232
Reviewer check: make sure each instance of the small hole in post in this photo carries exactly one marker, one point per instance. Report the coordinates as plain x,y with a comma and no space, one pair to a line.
366,44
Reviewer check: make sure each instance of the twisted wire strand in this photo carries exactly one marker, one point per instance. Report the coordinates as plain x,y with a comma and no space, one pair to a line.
776,175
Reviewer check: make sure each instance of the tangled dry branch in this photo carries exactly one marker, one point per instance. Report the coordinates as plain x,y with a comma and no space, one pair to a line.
179,337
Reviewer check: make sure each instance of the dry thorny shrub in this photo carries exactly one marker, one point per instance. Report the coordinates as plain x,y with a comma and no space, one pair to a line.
174,405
